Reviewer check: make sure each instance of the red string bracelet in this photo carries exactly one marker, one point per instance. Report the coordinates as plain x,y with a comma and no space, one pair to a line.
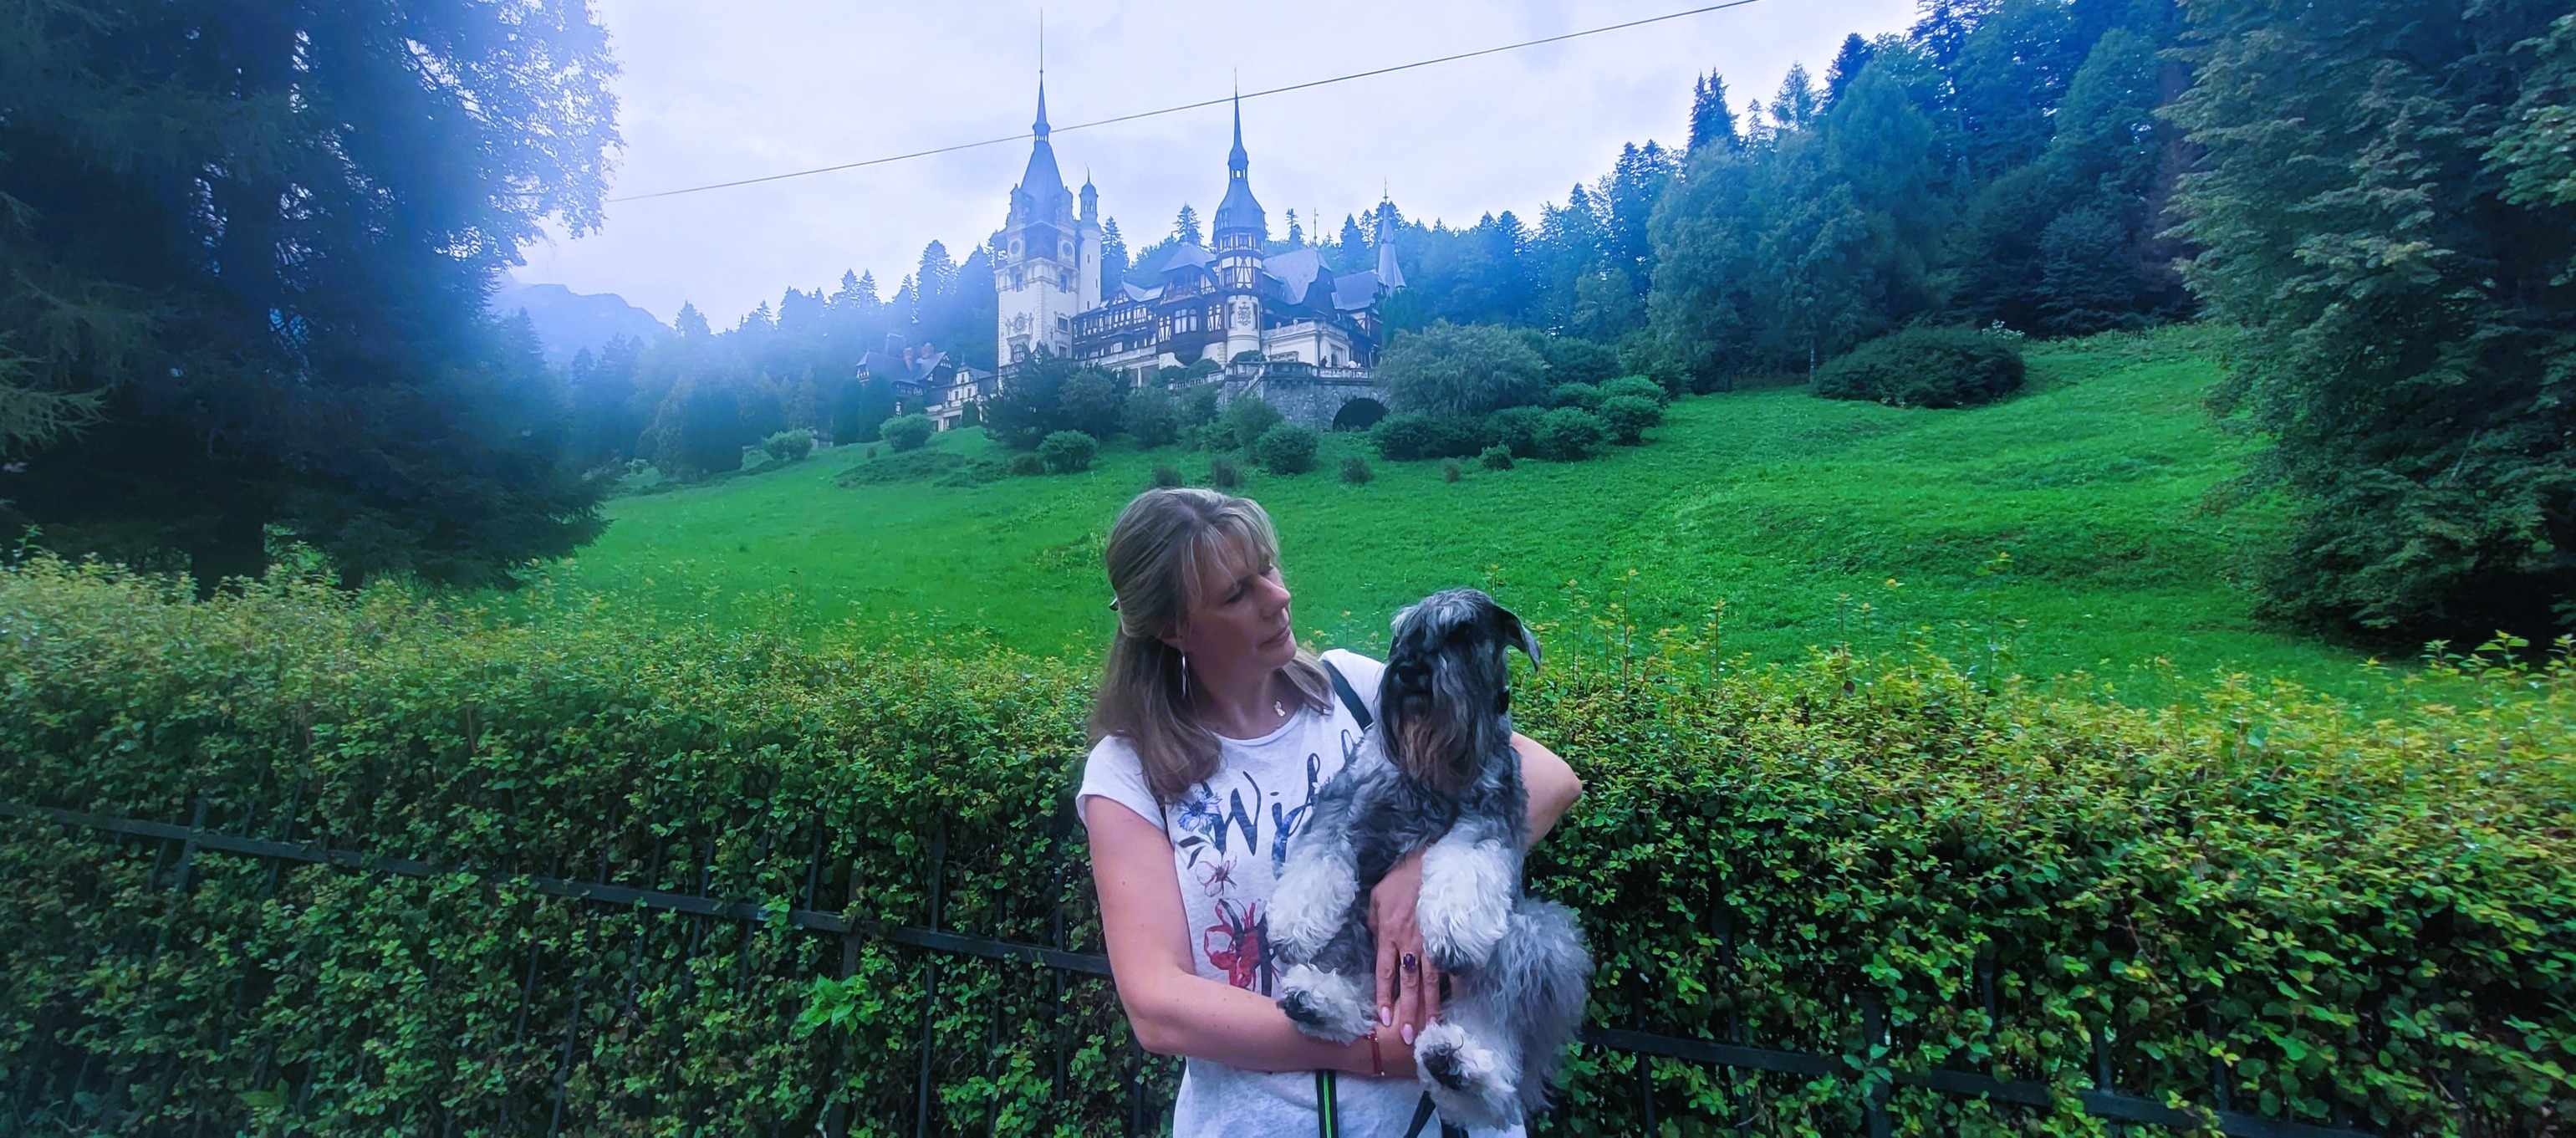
1377,1066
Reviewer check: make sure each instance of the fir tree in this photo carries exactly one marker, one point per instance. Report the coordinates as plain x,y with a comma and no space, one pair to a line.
1712,121
1113,258
1846,67
1186,227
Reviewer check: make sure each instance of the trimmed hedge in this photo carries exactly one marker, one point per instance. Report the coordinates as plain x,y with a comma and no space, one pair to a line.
1926,367
2366,916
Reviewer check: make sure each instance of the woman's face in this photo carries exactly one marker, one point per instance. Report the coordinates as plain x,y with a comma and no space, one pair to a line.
1242,617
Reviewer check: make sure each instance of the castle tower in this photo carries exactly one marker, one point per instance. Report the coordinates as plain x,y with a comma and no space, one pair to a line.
1239,229
1046,259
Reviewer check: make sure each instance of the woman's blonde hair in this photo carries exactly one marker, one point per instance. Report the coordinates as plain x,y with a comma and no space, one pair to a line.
1159,555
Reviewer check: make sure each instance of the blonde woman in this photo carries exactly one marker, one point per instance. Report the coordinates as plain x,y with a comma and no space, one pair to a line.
1212,732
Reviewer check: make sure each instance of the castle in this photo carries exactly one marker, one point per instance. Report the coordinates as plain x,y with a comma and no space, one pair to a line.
1283,326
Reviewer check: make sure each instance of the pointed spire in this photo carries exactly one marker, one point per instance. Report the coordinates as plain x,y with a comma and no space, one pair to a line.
1237,161
1389,276
1040,127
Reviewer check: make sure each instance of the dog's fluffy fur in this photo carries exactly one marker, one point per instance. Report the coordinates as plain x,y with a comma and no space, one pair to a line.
1438,770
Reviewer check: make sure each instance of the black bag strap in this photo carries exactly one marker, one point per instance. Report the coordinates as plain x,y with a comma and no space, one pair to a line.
1328,1120
1350,698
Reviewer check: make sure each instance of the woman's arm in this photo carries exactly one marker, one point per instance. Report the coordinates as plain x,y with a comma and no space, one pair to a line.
1174,1010
1409,1001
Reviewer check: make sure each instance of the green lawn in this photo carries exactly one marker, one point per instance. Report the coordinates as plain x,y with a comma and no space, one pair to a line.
2064,524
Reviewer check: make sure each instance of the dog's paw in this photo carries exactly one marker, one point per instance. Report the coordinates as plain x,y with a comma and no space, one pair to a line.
1326,1005
1466,903
1308,907
1470,1083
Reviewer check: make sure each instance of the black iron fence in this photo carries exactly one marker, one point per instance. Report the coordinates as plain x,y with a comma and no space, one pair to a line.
67,1072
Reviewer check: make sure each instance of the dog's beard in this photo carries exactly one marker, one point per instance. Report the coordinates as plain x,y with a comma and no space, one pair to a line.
1438,741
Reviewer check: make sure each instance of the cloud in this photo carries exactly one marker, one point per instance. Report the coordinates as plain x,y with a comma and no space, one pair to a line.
718,92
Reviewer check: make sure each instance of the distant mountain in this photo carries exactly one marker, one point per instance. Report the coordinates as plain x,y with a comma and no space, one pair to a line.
569,321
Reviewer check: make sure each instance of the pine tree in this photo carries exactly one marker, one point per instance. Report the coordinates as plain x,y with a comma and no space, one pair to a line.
1113,258
1797,104
1186,227
1846,67
1353,246
1712,120
244,251
2409,314
1296,232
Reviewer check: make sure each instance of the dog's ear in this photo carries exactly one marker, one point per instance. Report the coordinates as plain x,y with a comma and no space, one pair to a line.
1518,633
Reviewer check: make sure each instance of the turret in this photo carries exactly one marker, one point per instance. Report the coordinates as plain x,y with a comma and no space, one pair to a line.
1239,229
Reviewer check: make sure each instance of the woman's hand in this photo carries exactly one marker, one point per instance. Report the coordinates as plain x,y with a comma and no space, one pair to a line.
1408,987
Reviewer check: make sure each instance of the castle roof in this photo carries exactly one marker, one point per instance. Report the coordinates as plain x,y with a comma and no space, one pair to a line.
1355,291
1387,272
1239,210
1041,195
1296,271
1188,256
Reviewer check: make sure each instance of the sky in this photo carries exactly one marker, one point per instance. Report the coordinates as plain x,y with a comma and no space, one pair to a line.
715,92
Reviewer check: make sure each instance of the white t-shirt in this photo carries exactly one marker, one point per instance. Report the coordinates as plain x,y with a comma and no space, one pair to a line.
1230,837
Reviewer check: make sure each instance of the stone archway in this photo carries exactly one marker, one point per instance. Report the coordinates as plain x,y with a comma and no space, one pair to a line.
1359,414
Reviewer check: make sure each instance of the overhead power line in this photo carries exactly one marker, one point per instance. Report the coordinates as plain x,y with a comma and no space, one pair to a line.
1025,135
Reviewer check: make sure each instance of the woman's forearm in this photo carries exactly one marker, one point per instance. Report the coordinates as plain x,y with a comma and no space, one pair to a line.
1203,1019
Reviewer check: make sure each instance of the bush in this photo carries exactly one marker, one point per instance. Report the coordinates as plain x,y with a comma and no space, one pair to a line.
1628,417
1449,471
1151,417
1224,474
1404,437
1355,470
1461,370
1245,420
1496,457
1068,452
872,452
1286,449
1515,429
1571,434
1637,385
2372,916
1025,464
1582,395
1166,478
1926,367
789,446
1197,406
907,432
1574,360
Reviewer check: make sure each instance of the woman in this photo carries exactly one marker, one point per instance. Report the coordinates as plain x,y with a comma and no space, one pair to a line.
1212,732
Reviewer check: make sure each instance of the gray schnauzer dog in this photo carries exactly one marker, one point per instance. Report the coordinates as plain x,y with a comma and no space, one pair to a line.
1438,770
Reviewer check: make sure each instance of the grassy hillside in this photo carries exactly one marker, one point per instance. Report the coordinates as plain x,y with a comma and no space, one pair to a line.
2059,531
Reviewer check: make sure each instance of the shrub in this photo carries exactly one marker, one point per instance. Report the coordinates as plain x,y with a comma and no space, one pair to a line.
1245,420
1404,437
1636,385
1571,359
1224,474
789,446
1463,370
1024,464
907,432
1582,395
1628,417
1166,478
1515,429
1571,434
1068,452
1449,471
1151,417
1926,367
1355,470
872,452
1197,406
1496,457
2260,873
1286,449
